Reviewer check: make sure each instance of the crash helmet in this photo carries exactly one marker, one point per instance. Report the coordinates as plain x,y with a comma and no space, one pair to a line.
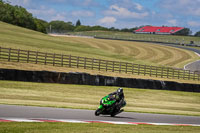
120,91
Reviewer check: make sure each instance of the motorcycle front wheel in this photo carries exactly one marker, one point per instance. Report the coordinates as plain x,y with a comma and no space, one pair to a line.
97,112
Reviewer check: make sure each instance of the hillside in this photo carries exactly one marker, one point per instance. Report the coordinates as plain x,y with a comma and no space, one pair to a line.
146,37
142,53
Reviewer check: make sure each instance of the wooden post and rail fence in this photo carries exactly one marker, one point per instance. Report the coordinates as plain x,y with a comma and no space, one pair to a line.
35,57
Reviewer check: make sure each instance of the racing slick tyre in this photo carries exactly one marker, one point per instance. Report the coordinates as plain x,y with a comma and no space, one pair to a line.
97,112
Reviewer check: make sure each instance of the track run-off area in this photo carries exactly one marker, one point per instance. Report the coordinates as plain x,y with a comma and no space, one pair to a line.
13,113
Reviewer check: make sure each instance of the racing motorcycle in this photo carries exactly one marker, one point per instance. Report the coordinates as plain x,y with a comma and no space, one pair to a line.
108,106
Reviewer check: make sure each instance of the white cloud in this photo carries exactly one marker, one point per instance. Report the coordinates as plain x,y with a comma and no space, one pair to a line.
87,2
43,11
82,13
77,3
23,3
49,14
124,13
128,4
26,2
59,16
194,24
172,22
138,6
184,7
107,20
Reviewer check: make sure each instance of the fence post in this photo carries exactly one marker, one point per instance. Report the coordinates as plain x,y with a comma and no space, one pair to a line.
145,70
120,67
92,63
28,56
189,75
36,60
173,75
167,72
132,68
156,71
77,65
0,52
62,60
150,70
54,59
70,60
161,72
126,67
85,63
9,54
45,59
138,69
113,69
99,64
194,76
178,73
18,54
106,66
183,74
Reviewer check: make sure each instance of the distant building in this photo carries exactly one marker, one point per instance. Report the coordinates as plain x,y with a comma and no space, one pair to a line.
158,30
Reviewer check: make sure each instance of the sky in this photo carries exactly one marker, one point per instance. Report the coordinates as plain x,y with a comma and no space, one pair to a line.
117,13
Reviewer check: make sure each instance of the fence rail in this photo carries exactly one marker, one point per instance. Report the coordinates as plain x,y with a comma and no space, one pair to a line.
27,56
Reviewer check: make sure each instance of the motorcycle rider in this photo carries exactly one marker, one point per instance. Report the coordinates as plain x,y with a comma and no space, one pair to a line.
119,96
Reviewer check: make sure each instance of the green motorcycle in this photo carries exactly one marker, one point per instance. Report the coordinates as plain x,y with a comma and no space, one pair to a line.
108,106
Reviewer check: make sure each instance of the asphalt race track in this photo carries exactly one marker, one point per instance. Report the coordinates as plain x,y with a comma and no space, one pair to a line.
194,66
30,112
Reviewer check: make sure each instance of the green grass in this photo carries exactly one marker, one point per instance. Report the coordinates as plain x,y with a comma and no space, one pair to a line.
91,128
134,52
88,97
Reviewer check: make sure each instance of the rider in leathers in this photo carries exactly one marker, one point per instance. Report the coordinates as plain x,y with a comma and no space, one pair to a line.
119,95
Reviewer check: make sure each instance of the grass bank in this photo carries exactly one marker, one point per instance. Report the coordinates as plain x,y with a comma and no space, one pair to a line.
134,52
88,97
91,128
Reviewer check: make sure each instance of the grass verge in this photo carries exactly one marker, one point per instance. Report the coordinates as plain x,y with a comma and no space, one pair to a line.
91,128
88,97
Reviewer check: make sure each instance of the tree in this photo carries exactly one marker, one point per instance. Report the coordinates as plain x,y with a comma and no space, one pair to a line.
128,30
82,28
16,15
78,23
95,28
113,29
184,32
23,18
5,12
197,34
61,26
41,25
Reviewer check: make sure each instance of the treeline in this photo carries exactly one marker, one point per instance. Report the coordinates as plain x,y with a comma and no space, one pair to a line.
19,16
62,27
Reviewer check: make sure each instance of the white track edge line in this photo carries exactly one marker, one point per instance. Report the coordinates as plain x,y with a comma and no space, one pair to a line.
93,121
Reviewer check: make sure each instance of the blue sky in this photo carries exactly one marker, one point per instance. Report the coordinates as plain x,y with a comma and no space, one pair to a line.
117,13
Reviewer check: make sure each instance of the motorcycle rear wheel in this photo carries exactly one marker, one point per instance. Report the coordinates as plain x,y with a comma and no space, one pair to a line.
112,115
